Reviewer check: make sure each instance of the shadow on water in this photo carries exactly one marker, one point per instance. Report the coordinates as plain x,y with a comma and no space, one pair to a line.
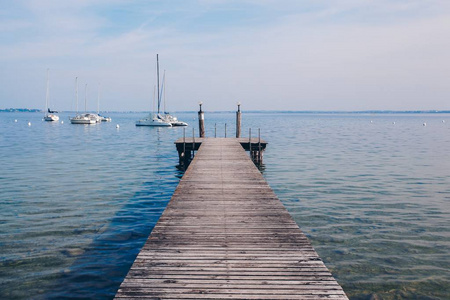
179,172
99,271
261,167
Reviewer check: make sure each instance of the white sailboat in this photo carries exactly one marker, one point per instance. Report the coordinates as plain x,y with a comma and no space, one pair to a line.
102,118
49,114
83,118
155,119
168,117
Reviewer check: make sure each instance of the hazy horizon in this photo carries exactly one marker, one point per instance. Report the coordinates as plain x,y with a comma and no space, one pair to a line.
269,55
430,111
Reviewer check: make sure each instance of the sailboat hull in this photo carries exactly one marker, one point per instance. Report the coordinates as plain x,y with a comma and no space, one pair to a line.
153,122
84,119
173,120
51,118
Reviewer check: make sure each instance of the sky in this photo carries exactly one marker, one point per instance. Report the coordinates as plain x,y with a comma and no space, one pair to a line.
346,55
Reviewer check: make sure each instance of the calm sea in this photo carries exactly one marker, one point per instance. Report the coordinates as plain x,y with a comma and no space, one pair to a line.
372,192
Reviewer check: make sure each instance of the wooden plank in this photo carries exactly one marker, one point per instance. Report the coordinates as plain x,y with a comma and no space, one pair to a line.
225,235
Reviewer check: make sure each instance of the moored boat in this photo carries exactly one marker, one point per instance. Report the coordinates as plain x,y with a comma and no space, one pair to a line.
49,115
174,121
104,119
155,119
100,117
168,117
85,118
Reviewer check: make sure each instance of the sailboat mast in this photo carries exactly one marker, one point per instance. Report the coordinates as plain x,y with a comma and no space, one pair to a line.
85,98
154,97
98,99
76,91
47,93
157,76
164,89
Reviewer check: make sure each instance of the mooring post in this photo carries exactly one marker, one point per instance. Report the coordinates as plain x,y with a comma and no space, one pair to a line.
184,146
238,121
193,142
259,146
201,121
250,142
225,129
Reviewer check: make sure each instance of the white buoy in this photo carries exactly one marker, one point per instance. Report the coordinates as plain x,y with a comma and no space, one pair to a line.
15,120
117,126
393,123
443,121
424,124
29,123
371,121
62,122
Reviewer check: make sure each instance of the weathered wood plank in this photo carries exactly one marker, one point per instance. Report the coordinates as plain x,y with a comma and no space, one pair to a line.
225,235
303,276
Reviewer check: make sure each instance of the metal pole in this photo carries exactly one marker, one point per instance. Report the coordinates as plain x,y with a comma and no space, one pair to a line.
225,129
238,121
201,121
215,130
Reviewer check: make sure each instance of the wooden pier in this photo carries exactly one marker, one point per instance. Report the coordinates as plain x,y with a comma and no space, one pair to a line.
187,146
225,235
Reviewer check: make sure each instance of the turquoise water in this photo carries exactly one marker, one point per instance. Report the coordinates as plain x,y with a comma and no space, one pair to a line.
77,202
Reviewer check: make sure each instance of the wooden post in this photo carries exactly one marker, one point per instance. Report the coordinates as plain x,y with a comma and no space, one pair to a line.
259,147
201,121
215,130
193,142
238,121
184,147
250,141
225,129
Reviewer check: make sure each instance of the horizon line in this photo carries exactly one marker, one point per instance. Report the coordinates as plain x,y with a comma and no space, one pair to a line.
246,111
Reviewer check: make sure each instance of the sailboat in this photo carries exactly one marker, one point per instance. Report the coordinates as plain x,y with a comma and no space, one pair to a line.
155,119
49,114
83,118
102,118
168,117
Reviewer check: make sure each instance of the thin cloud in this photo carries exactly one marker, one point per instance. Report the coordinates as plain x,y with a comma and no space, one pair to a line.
268,54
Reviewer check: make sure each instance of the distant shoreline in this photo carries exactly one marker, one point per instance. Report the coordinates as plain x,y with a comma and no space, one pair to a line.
266,111
20,110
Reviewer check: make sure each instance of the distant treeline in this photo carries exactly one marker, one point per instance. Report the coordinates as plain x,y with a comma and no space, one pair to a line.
20,110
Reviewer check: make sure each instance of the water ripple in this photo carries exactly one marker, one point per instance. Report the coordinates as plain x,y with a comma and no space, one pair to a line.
78,202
